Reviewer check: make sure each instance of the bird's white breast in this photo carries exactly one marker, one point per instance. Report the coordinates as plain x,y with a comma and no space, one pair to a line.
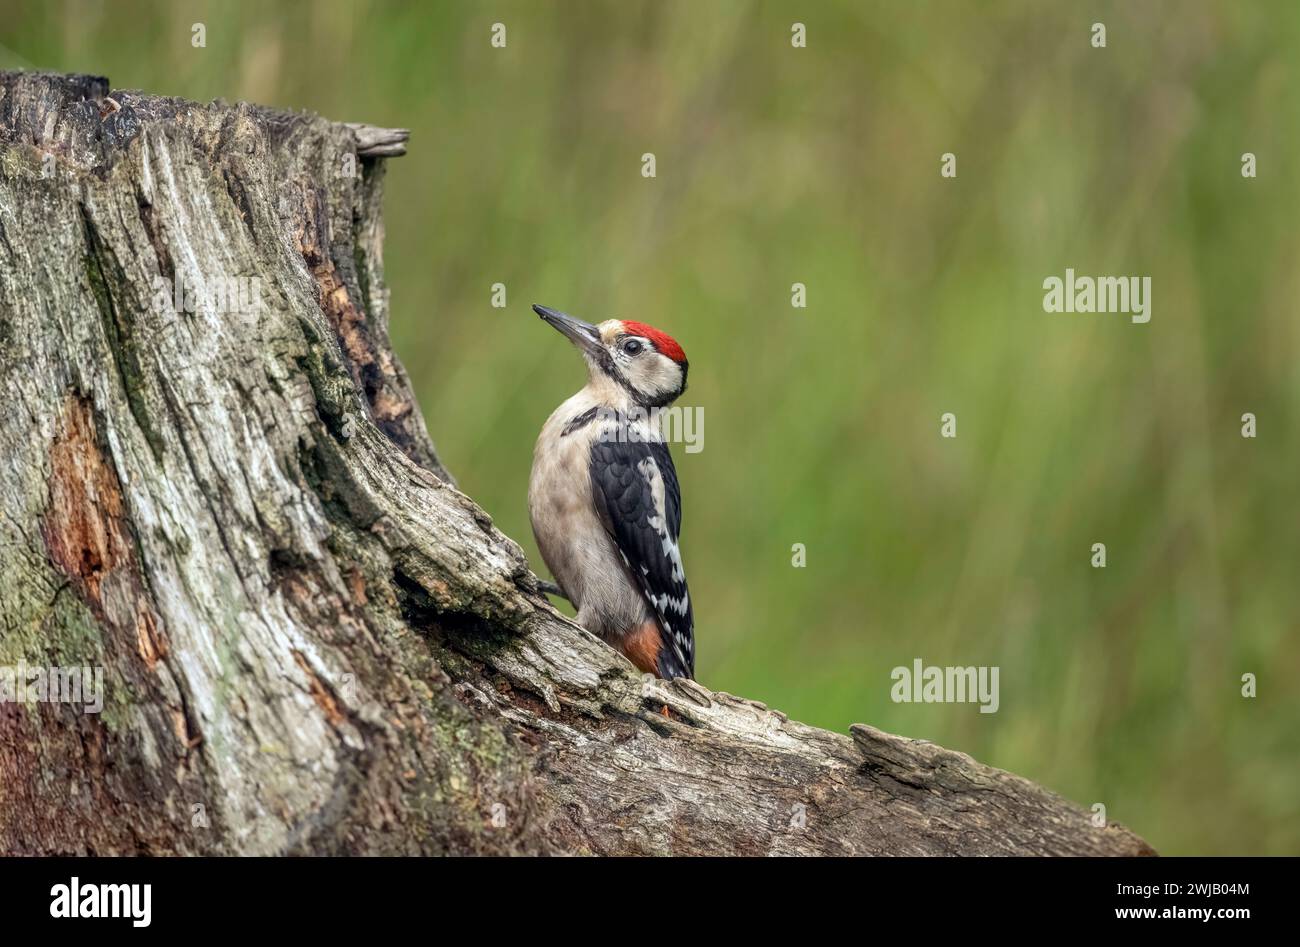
574,544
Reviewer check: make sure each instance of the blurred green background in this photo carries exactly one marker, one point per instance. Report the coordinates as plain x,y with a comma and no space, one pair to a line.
821,165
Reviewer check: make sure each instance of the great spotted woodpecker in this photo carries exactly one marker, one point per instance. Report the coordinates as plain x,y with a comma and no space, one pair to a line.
603,496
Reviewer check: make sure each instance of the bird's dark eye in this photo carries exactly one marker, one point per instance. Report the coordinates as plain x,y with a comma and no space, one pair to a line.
631,347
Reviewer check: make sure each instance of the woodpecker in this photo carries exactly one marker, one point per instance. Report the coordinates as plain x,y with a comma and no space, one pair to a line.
603,496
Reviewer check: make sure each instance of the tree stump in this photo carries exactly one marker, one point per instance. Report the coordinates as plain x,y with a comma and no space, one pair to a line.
311,641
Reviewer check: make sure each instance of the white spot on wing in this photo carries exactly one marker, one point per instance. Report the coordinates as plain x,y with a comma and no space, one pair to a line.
659,521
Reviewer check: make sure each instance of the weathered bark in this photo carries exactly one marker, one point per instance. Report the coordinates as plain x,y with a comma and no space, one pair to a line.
305,628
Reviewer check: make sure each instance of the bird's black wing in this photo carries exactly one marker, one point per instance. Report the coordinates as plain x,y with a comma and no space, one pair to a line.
637,497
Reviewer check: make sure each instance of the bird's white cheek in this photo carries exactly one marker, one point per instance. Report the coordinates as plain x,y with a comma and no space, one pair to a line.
659,379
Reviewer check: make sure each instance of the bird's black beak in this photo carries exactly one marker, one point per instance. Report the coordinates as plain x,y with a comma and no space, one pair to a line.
582,334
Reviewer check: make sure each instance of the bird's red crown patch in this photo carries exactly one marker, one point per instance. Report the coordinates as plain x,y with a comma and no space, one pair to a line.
664,342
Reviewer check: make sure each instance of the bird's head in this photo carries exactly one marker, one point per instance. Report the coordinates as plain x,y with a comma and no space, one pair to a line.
647,364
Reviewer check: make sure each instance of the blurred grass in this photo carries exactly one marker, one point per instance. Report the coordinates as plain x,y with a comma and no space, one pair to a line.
821,166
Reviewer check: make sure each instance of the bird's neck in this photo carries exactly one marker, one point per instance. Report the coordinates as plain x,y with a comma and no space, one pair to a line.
615,404
607,394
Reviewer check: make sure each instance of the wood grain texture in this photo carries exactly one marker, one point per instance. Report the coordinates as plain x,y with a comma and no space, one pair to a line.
312,641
